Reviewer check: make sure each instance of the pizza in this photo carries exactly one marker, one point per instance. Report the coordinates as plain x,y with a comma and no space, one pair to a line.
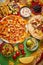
35,26
12,29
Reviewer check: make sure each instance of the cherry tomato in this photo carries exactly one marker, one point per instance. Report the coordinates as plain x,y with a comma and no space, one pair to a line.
23,52
21,46
17,53
14,56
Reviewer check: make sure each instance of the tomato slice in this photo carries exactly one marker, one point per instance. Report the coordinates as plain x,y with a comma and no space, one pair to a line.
21,46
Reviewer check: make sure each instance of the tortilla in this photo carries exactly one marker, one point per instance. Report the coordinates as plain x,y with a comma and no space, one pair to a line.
34,30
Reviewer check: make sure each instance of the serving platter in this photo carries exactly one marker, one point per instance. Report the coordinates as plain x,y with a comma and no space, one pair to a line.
21,32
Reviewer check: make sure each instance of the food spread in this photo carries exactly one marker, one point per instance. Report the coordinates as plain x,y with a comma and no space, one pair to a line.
21,32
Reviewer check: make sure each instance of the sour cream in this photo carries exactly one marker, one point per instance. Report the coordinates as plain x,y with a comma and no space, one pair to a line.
25,12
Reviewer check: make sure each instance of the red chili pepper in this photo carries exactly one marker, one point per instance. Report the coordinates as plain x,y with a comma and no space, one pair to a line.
41,58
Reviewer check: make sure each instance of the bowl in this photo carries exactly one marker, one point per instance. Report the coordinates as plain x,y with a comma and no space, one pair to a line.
7,50
25,12
32,44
